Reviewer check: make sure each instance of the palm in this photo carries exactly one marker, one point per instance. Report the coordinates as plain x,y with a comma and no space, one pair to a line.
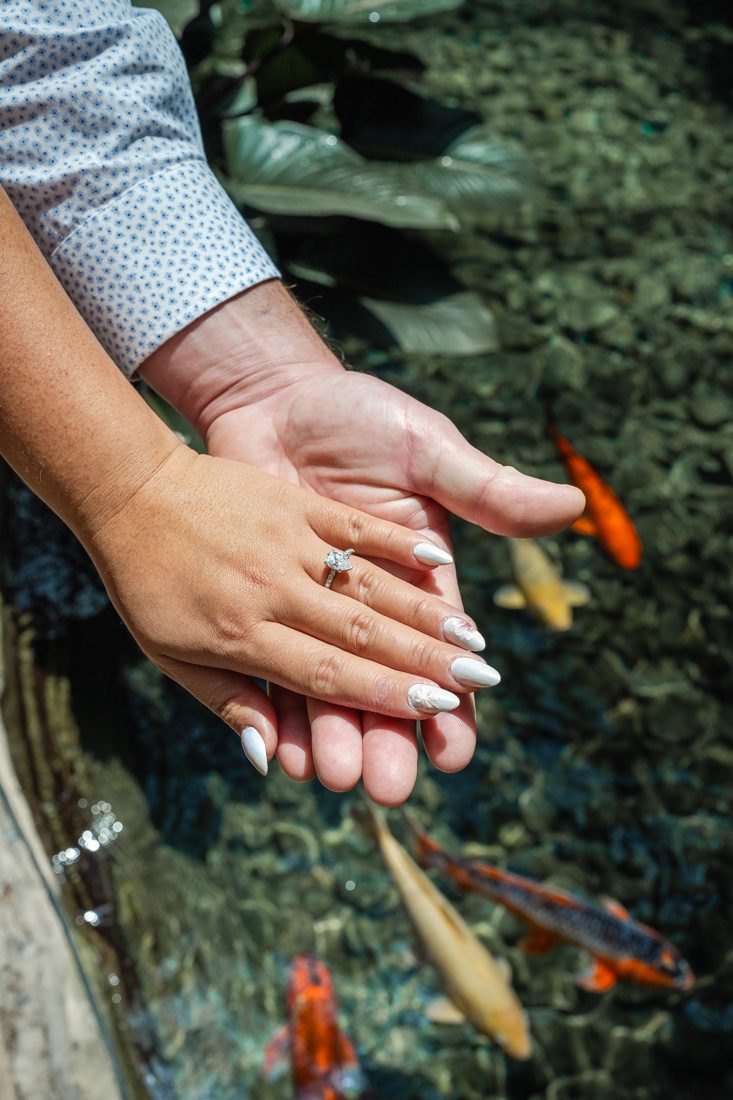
351,438
348,437
341,436
356,439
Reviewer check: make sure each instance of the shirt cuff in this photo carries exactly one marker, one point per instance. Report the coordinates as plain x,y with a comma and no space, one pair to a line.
151,261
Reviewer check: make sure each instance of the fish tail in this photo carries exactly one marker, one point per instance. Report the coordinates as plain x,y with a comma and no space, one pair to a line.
560,443
366,818
563,446
427,851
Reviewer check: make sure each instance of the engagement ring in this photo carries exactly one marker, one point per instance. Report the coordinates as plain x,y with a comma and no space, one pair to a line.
337,562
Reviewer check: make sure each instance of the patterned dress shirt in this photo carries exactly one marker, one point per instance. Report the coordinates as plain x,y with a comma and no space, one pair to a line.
101,154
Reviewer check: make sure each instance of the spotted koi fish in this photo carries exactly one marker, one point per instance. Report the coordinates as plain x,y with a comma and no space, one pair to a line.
622,949
324,1063
605,517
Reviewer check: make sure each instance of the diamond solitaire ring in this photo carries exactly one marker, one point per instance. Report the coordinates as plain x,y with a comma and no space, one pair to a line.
337,562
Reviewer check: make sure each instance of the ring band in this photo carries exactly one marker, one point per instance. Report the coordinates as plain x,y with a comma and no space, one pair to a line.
337,562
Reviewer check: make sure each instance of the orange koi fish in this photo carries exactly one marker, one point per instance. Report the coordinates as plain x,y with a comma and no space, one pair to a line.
324,1062
622,949
605,517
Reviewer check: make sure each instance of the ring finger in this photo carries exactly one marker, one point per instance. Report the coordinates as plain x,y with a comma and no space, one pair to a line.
355,628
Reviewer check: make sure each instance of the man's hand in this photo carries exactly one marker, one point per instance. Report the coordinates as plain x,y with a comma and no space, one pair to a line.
260,386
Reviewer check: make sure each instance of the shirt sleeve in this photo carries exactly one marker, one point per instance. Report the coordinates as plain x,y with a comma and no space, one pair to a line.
101,154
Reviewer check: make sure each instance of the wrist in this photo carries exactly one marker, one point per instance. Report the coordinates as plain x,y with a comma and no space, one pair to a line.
242,352
113,525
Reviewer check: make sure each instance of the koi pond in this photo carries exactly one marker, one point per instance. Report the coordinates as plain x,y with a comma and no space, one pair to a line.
604,764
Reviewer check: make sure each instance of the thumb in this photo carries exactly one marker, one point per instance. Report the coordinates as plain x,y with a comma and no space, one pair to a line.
475,487
237,701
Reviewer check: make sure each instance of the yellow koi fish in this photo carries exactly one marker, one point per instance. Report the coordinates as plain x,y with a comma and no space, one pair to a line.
476,984
540,587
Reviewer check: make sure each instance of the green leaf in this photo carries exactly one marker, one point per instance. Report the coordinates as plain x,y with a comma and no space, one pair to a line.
363,11
177,12
288,168
314,57
385,287
365,259
456,325
475,175
460,324
449,153
381,119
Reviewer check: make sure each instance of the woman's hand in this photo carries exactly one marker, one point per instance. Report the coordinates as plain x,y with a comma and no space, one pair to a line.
217,568
218,571
261,387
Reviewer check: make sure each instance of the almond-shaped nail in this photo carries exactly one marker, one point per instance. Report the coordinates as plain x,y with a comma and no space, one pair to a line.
463,634
430,699
254,749
429,554
474,673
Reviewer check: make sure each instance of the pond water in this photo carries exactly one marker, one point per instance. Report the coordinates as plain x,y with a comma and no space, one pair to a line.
605,758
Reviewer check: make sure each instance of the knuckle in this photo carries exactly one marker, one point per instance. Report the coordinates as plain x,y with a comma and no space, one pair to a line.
359,632
229,630
421,654
233,634
230,712
392,541
327,674
369,588
420,608
381,694
356,528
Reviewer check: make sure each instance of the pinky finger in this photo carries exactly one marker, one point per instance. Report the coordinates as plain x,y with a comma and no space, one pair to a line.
238,702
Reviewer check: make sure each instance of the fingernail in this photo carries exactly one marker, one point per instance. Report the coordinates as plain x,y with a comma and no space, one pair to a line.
429,699
463,634
431,555
476,673
254,749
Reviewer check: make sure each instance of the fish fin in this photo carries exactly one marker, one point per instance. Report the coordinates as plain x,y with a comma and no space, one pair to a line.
538,942
347,1052
616,909
576,593
277,1054
509,597
505,968
441,1010
423,845
585,526
598,979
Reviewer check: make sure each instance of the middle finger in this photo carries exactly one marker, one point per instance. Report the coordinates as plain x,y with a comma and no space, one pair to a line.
356,628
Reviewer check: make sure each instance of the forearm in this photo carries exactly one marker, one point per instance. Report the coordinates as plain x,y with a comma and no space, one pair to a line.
100,153
70,424
243,351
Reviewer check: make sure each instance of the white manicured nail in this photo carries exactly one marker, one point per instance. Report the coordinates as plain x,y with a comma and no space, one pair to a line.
429,699
463,634
254,749
431,555
476,673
